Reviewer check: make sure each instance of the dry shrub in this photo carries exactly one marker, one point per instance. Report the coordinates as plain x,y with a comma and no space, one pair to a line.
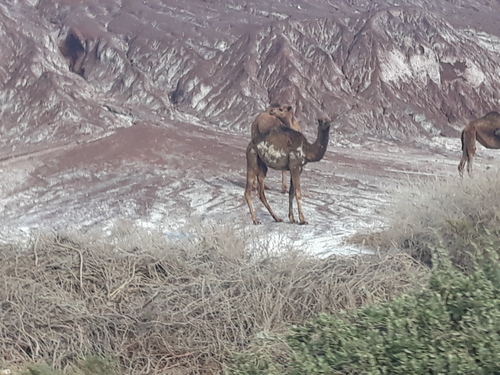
161,306
460,215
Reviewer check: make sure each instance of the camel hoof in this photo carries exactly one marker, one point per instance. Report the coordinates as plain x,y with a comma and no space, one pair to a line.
303,222
278,220
256,222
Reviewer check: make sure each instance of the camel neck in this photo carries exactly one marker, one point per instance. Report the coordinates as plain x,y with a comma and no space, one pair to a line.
316,151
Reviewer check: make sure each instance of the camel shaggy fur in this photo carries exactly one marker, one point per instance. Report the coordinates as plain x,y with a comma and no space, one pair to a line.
283,149
486,130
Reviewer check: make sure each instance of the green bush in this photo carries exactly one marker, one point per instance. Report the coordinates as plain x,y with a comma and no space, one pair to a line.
450,327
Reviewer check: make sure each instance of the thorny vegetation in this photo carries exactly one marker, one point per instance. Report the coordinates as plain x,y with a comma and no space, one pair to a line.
461,215
156,306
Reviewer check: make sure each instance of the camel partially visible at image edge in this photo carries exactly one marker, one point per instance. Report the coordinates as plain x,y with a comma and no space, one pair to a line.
274,116
486,130
283,149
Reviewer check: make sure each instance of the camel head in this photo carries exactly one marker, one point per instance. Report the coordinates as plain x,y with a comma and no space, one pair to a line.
324,124
286,116
282,112
271,106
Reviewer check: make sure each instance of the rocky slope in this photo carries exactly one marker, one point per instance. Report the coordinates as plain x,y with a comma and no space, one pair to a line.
75,67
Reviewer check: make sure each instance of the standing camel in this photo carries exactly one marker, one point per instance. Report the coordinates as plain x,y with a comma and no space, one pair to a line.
486,130
275,116
283,149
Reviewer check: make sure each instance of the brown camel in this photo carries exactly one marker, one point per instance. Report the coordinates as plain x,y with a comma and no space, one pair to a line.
283,149
274,116
285,114
487,132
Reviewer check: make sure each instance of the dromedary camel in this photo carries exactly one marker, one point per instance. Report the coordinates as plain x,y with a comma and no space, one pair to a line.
487,132
274,116
283,149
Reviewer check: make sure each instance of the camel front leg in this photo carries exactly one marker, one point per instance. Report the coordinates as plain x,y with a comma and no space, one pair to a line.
291,195
295,182
283,182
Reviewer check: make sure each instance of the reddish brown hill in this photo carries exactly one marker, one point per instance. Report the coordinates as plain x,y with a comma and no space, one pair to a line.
393,70
74,72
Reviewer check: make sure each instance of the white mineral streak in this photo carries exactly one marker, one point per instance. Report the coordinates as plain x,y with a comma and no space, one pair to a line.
394,67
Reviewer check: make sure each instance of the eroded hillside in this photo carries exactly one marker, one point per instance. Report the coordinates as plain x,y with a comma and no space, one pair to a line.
141,110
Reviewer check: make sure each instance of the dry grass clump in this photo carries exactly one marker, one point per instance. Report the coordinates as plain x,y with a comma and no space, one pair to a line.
159,306
454,214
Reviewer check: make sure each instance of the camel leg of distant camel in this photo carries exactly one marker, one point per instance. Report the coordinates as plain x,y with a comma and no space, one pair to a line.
468,139
297,193
463,160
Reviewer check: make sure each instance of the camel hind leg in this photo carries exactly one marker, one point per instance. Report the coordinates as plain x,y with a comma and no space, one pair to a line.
256,169
464,158
261,188
468,139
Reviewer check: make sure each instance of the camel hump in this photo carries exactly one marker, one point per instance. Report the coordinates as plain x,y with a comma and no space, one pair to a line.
489,124
492,116
263,124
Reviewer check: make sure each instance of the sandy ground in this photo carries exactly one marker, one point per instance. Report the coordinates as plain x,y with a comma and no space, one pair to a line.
171,177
